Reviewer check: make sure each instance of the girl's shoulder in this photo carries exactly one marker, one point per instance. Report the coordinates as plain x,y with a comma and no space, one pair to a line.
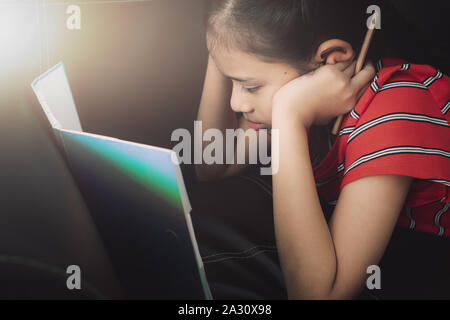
399,126
392,67
400,86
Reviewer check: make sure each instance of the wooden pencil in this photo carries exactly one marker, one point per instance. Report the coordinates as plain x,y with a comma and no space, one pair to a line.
359,64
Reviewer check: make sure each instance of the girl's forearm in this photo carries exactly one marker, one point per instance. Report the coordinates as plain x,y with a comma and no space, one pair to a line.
214,112
304,241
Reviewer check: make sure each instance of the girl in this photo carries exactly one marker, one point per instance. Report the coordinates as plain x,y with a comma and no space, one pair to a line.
291,66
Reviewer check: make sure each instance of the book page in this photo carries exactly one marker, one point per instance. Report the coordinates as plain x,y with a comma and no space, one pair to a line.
54,94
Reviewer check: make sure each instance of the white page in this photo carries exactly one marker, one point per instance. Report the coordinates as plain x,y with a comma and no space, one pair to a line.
53,91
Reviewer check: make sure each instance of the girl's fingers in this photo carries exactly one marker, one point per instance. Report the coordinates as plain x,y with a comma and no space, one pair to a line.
349,71
363,77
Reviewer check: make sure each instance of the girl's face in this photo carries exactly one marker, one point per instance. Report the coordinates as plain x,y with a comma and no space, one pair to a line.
255,82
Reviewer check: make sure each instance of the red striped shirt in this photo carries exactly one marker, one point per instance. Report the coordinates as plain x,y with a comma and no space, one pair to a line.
400,126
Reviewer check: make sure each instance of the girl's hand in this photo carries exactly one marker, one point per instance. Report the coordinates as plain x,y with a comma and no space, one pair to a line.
320,96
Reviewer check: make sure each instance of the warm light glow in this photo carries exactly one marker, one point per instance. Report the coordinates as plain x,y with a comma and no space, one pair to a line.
19,31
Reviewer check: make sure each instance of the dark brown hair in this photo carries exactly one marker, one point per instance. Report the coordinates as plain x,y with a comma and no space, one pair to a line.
284,30
291,30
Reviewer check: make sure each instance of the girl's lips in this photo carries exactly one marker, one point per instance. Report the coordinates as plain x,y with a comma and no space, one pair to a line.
255,125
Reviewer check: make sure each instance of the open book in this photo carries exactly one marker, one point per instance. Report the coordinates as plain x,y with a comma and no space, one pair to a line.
137,198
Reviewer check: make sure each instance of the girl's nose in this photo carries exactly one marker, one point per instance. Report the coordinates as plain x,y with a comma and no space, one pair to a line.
240,104
244,107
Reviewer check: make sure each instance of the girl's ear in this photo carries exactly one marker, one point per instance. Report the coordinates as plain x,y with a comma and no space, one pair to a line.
333,51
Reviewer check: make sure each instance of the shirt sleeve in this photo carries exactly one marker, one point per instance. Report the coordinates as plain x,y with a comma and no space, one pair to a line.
402,132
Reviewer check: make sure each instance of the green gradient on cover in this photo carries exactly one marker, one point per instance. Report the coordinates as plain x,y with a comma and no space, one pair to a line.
151,168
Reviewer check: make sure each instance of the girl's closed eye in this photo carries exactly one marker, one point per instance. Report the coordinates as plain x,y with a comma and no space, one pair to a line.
251,89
